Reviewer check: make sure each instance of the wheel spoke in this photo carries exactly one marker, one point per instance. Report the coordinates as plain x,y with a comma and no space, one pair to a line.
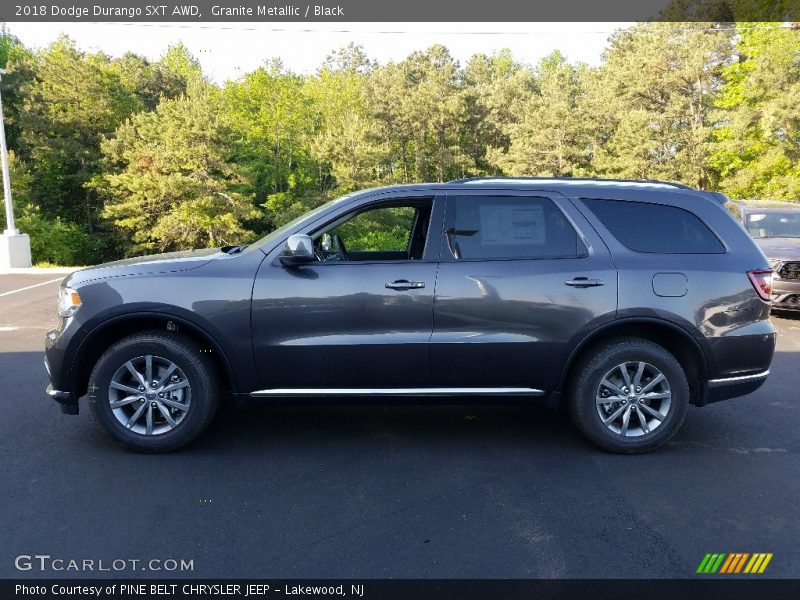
608,399
125,388
652,412
135,416
173,404
124,402
626,419
614,415
138,376
642,421
656,380
612,387
167,373
625,375
149,427
165,413
657,396
637,379
148,369
175,386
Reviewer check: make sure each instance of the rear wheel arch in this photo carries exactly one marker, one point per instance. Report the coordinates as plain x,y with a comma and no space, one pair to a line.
102,336
672,337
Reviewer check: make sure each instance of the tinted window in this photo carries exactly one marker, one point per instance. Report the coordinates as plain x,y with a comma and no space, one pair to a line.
645,227
486,227
773,224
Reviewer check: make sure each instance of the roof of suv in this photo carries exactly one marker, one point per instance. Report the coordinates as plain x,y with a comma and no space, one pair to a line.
571,186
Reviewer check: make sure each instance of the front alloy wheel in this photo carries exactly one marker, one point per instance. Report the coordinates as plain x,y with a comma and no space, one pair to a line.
154,392
150,395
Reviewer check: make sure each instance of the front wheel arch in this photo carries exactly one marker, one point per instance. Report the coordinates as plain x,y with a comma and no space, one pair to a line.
114,329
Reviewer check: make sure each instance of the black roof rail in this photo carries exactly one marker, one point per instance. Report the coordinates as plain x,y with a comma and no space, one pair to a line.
587,179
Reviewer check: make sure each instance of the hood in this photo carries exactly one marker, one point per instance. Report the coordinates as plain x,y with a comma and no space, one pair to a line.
782,248
169,262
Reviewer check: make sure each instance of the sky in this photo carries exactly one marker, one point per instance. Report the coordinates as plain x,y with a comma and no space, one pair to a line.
229,50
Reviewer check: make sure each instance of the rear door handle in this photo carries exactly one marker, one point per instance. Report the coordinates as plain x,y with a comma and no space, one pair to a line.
584,282
404,284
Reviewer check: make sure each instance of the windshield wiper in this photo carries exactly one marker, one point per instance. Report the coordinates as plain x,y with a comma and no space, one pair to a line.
234,249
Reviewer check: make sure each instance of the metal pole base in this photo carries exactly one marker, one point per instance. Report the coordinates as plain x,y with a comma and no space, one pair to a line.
15,250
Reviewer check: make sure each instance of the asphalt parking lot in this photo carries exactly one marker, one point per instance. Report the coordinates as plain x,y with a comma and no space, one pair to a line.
375,492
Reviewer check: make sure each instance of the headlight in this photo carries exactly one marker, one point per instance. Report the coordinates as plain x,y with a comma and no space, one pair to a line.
68,302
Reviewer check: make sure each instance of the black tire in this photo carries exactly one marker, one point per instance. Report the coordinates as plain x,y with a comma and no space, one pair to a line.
586,387
194,368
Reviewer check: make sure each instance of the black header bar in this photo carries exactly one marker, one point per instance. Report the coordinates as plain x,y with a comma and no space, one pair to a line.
741,588
408,10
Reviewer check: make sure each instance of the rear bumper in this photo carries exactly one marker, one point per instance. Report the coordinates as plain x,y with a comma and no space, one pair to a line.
732,387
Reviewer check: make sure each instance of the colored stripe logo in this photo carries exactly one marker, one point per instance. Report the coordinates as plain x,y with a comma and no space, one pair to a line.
734,562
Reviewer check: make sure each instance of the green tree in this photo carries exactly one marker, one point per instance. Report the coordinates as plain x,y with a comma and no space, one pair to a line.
181,68
170,182
421,113
70,104
345,143
757,143
549,136
652,99
496,88
271,119
148,81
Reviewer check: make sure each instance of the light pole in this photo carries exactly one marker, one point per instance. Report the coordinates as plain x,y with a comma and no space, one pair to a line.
15,247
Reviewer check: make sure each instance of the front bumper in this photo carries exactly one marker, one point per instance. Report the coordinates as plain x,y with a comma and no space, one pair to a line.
68,404
786,293
733,387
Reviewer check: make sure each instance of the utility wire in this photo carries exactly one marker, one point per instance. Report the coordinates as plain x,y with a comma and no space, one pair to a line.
398,32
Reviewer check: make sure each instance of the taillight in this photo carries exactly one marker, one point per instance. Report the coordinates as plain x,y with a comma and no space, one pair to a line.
762,281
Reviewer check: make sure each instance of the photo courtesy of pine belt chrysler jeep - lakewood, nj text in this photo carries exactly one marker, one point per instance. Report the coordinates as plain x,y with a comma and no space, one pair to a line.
624,301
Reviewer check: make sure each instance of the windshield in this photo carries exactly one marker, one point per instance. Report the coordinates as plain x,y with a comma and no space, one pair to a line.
309,216
773,224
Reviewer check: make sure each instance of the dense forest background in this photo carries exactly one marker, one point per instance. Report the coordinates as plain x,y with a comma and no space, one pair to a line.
119,156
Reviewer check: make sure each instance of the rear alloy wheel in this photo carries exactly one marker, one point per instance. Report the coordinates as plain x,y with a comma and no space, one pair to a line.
633,399
629,396
154,392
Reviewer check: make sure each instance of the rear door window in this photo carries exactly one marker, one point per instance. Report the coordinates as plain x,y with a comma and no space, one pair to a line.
655,228
505,227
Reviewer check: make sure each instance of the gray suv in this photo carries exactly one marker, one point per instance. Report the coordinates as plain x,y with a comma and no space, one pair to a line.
625,301
775,226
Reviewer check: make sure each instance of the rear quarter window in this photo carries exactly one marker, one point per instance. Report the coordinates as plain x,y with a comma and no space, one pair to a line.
655,228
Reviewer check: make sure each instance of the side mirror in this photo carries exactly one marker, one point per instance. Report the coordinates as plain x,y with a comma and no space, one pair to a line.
298,250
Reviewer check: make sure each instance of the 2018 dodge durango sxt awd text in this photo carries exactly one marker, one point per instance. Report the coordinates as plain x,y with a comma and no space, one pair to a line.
625,300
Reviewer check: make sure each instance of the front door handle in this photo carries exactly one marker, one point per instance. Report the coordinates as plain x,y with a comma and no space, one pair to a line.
404,284
584,282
